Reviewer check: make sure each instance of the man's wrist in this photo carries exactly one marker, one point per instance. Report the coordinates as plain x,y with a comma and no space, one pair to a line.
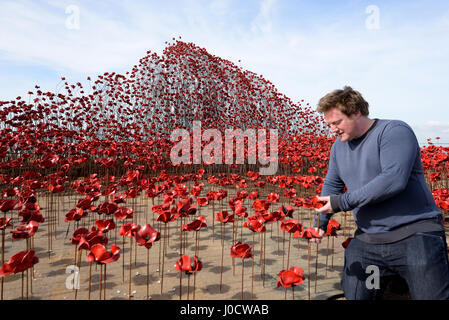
335,203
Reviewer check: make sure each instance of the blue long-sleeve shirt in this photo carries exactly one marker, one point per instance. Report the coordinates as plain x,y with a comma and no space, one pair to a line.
383,173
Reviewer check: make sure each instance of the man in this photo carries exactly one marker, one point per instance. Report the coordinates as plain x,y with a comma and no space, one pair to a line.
400,228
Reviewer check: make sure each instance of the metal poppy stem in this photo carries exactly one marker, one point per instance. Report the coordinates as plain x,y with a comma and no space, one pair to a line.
288,256
100,282
213,221
252,272
148,274
180,285
104,290
243,270
283,248
222,254
188,285
90,277
79,269
316,266
327,255
263,261
3,252
277,227
308,268
123,260
130,265
163,256
293,292
332,254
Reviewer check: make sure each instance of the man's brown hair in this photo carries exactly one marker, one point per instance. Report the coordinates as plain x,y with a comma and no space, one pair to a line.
347,101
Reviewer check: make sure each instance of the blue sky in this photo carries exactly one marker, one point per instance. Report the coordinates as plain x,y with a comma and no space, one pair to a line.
394,52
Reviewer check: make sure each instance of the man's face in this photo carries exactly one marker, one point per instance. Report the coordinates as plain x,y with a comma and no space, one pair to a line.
343,126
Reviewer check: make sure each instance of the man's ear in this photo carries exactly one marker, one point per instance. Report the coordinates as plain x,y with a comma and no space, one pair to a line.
357,115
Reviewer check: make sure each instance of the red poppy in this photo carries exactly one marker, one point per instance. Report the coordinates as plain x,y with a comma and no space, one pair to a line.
147,235
202,201
31,215
224,216
253,195
86,241
255,224
9,204
75,215
78,234
291,226
19,262
286,211
291,277
123,213
308,233
10,192
290,193
195,225
332,227
240,210
100,255
129,230
185,208
241,250
184,263
273,197
120,198
26,231
84,203
105,225
107,208
260,205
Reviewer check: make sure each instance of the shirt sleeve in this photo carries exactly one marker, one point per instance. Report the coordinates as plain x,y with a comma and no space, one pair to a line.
398,151
333,185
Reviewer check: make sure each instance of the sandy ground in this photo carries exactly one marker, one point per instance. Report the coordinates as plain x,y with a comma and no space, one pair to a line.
52,278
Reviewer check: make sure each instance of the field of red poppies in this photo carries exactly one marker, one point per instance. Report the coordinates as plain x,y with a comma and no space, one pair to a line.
93,207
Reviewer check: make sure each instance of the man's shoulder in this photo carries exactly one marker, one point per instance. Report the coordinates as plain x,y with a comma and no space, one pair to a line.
389,125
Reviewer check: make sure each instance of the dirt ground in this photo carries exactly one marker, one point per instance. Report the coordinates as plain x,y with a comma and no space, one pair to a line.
53,275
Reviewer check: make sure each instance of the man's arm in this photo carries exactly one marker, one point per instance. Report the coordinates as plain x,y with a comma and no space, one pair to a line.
332,186
398,151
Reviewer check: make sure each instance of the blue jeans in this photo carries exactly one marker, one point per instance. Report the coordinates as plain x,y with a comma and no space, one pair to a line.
421,260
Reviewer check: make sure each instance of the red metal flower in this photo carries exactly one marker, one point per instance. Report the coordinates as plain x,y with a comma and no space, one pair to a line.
147,235
195,225
100,255
26,231
255,223
19,262
129,230
105,225
291,277
241,250
224,216
184,263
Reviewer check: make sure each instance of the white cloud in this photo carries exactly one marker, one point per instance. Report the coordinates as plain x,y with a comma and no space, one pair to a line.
262,22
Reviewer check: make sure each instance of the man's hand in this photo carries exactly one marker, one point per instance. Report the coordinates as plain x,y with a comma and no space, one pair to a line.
327,207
